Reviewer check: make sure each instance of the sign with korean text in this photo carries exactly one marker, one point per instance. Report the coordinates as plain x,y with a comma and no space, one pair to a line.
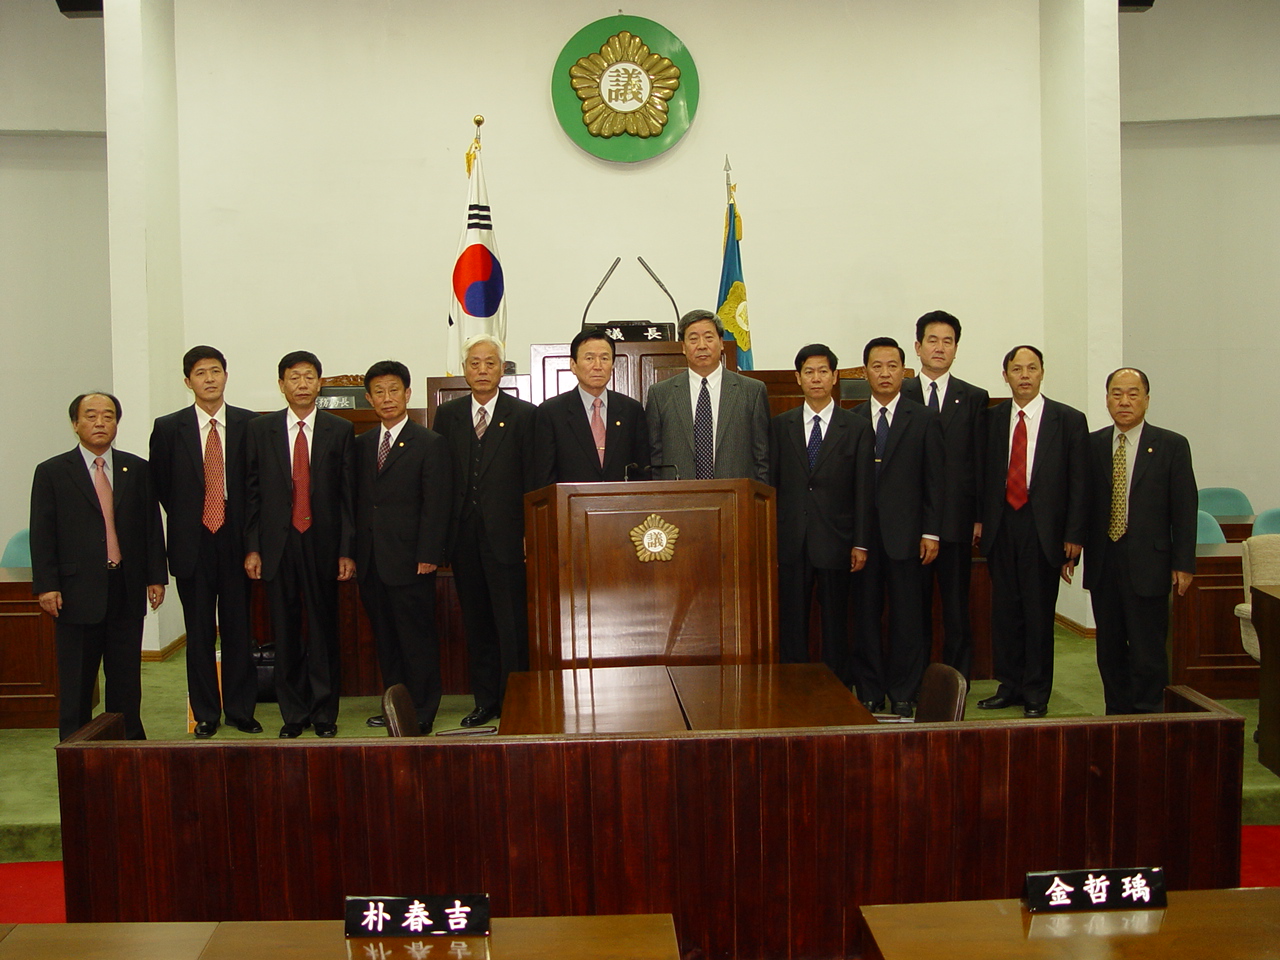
1111,888
458,916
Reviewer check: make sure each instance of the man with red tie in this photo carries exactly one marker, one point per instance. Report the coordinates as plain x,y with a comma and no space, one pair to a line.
298,534
1034,521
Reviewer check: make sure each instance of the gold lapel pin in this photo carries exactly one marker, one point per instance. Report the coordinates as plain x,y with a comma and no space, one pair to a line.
501,423
124,469
400,444
617,423
1150,450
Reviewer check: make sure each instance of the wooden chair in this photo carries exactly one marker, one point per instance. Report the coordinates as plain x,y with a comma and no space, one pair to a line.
397,707
942,693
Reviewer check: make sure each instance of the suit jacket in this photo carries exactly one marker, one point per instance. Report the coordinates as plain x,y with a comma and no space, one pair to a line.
963,415
69,540
1058,492
823,513
508,468
909,487
567,452
269,489
177,474
402,510
742,427
1161,535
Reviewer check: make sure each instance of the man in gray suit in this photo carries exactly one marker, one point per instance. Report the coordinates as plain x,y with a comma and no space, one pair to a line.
713,423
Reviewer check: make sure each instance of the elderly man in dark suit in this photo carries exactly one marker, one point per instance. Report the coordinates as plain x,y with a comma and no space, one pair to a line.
1033,527
298,534
197,468
904,533
591,434
1141,543
491,438
403,502
97,559
712,423
962,412
821,462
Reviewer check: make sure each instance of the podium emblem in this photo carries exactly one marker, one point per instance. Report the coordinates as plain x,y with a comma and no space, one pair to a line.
655,539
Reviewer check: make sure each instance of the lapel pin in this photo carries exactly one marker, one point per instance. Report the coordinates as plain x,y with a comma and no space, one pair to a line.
400,444
617,423
501,423
124,469
1150,450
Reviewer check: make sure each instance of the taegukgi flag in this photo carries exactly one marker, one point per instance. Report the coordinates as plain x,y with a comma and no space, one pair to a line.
732,302
479,303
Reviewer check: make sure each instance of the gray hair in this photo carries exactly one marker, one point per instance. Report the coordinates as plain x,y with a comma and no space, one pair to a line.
484,338
694,316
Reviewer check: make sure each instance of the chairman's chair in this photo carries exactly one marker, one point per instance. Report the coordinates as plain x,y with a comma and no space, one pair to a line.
1268,521
1208,530
17,553
1225,502
1260,563
942,693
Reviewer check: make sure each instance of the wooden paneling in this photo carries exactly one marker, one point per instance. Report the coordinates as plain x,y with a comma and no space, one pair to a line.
1207,654
1266,621
28,655
761,844
636,367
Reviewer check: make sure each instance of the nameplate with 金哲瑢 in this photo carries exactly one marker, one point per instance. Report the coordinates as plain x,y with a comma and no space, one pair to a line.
1109,888
435,916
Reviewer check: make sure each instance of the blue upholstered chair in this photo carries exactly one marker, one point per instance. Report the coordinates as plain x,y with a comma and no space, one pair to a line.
1268,521
18,551
1225,502
1207,529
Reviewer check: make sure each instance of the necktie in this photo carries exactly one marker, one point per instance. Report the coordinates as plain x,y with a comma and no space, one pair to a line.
1119,491
482,423
215,502
301,483
815,441
597,427
1015,484
384,448
103,487
704,438
882,437
933,395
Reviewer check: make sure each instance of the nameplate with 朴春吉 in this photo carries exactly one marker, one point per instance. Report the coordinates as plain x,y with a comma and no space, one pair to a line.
432,916
1109,888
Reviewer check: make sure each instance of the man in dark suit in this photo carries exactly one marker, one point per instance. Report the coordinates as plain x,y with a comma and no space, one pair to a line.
712,423
1033,527
1141,542
820,461
97,559
591,434
903,538
491,439
299,538
403,502
197,469
962,411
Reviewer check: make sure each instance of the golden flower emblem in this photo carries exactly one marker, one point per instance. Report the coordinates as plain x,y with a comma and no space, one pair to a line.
655,539
733,314
624,88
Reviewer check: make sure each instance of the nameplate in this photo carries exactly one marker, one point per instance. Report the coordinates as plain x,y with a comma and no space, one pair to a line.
1111,888
338,402
458,916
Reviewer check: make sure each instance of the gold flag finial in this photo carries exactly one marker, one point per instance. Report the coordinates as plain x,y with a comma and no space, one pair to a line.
474,149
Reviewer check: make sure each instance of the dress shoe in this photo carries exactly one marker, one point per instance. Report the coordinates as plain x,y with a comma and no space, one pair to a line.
326,730
904,708
875,706
480,715
1035,709
248,726
290,731
425,729
378,721
206,729
999,703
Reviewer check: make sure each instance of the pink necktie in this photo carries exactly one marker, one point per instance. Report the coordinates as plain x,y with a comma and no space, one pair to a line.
215,504
597,427
105,501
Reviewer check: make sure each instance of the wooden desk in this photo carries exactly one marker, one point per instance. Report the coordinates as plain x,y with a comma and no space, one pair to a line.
1207,654
765,696
603,700
1224,924
29,680
1266,620
107,941
1236,529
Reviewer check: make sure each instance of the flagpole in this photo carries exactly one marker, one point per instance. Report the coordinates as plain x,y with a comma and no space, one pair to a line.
728,187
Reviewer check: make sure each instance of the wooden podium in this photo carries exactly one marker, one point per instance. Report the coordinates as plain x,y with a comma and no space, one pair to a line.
594,603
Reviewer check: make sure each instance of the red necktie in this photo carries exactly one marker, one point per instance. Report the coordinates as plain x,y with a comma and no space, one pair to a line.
1015,484
301,483
597,427
384,449
107,502
215,504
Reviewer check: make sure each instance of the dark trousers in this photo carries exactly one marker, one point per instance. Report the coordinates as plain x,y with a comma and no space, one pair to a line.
1024,594
114,642
901,581
796,582
952,569
1130,643
215,605
492,597
403,618
308,670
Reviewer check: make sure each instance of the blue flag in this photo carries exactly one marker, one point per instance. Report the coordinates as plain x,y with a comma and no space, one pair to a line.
732,309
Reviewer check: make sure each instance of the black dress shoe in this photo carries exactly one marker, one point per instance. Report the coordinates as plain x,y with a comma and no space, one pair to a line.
1035,709
999,703
248,726
290,730
378,721
425,728
875,706
206,729
326,730
904,708
480,715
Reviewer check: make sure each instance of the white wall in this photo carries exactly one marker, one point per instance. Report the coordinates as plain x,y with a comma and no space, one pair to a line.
50,69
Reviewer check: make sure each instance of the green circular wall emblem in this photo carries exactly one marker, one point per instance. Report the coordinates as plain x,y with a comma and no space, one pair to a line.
625,89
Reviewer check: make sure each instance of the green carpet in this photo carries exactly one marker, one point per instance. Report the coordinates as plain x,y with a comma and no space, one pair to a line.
29,788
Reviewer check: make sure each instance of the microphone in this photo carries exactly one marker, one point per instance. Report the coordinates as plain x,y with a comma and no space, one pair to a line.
626,471
667,466
649,270
608,273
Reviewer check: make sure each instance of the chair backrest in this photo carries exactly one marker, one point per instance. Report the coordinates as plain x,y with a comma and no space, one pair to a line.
17,553
1260,562
1225,502
1207,529
397,707
942,693
1268,521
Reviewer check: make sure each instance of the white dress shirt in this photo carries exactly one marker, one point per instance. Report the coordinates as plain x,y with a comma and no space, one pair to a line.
824,419
291,435
942,383
90,456
202,421
714,379
488,408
